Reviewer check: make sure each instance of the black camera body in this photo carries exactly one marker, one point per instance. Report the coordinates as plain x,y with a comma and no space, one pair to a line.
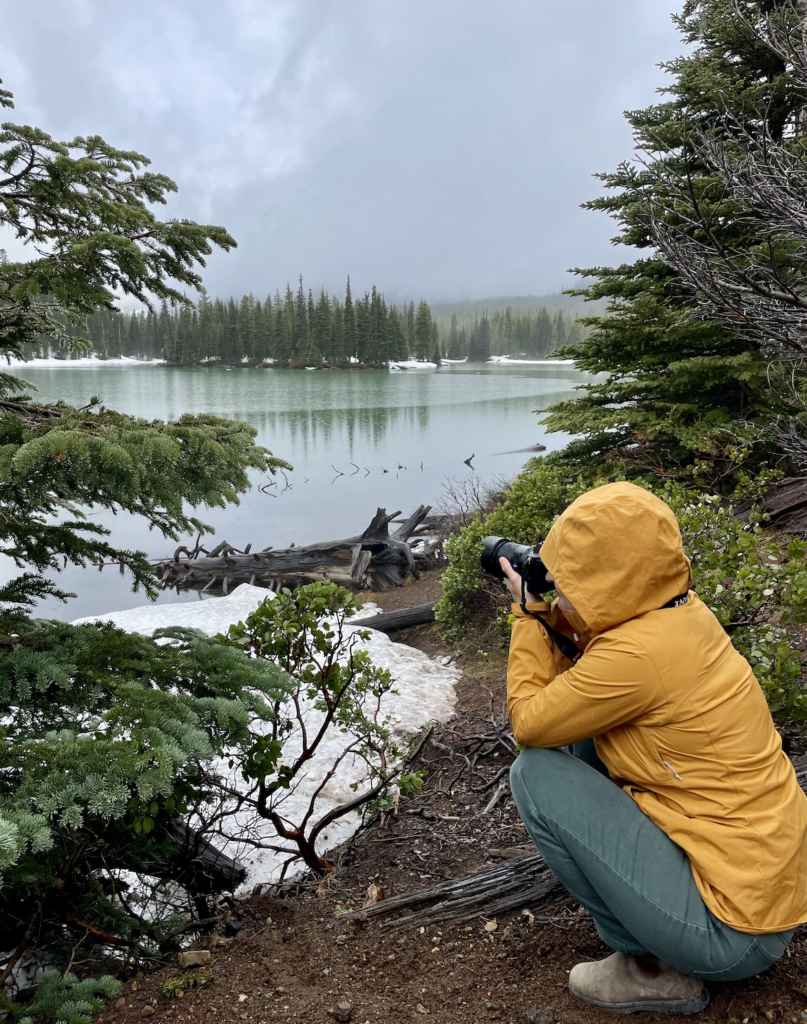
524,560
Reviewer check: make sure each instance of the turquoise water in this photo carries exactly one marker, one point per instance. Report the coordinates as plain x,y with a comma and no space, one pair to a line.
425,421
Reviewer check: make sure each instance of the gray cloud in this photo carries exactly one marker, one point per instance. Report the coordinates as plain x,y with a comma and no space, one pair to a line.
433,147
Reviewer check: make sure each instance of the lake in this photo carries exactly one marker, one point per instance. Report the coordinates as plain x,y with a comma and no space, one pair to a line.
407,432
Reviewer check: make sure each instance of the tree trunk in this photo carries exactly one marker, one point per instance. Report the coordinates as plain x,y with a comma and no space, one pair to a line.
374,559
403,618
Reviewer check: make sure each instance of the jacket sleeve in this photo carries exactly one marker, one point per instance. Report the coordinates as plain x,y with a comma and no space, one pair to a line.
553,703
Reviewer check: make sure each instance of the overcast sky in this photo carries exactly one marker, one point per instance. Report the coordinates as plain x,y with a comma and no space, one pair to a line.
432,147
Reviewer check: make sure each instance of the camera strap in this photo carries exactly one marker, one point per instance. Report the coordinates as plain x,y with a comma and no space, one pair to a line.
568,649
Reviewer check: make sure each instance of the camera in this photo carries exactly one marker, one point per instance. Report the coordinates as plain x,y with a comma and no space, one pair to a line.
523,559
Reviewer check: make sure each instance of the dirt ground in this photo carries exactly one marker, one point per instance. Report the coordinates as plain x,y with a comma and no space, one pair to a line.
294,960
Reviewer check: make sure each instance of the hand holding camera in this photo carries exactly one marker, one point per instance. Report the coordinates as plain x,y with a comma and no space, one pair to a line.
519,565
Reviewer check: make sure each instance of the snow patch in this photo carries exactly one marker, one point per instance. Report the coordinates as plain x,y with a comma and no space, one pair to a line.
425,693
531,362
52,362
412,364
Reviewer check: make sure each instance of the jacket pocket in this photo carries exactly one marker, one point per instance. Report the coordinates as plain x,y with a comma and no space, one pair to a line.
638,758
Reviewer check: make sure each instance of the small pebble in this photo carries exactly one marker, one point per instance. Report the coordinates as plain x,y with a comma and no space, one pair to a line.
534,1017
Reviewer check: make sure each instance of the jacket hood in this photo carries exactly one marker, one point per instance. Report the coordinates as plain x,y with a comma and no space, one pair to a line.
616,553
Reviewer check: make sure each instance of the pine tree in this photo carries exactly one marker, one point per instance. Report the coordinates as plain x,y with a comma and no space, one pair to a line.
150,336
398,345
245,333
351,346
267,332
284,327
671,382
214,339
301,325
454,339
336,342
559,334
479,348
165,333
543,332
107,735
131,347
363,327
505,333
378,333
423,331
436,356
322,326
410,327
184,339
229,334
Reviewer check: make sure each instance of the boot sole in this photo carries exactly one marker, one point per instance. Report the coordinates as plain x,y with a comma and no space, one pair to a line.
682,1007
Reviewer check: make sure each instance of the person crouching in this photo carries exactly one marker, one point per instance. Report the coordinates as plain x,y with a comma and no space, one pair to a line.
672,815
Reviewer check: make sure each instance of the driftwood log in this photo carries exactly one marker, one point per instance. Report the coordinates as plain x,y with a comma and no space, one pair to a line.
403,618
194,862
518,883
374,559
521,882
785,504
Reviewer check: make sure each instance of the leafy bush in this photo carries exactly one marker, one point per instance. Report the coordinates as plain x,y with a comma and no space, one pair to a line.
335,686
175,986
106,736
532,504
752,583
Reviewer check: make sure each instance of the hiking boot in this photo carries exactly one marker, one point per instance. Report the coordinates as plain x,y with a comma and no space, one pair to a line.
617,984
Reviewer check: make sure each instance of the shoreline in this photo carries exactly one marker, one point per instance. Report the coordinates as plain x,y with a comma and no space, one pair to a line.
400,365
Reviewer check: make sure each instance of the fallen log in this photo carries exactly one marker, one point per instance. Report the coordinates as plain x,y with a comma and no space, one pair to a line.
374,559
520,882
784,504
186,857
403,618
200,866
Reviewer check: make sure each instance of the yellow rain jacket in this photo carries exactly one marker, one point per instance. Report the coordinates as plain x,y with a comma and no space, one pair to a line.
676,713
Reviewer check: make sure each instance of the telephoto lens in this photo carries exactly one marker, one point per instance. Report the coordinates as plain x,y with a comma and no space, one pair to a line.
523,559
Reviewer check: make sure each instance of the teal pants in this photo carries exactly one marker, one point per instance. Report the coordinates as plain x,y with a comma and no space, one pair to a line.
630,876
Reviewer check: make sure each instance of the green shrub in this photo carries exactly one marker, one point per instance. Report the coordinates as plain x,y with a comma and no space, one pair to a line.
334,686
754,585
535,500
106,736
178,984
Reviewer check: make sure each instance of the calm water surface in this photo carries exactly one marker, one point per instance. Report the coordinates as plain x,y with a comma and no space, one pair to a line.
424,421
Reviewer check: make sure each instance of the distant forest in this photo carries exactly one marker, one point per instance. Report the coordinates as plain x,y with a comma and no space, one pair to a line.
466,312
297,329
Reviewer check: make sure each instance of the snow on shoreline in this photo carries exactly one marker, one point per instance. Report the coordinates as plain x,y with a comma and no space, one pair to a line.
51,362
425,693
531,362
